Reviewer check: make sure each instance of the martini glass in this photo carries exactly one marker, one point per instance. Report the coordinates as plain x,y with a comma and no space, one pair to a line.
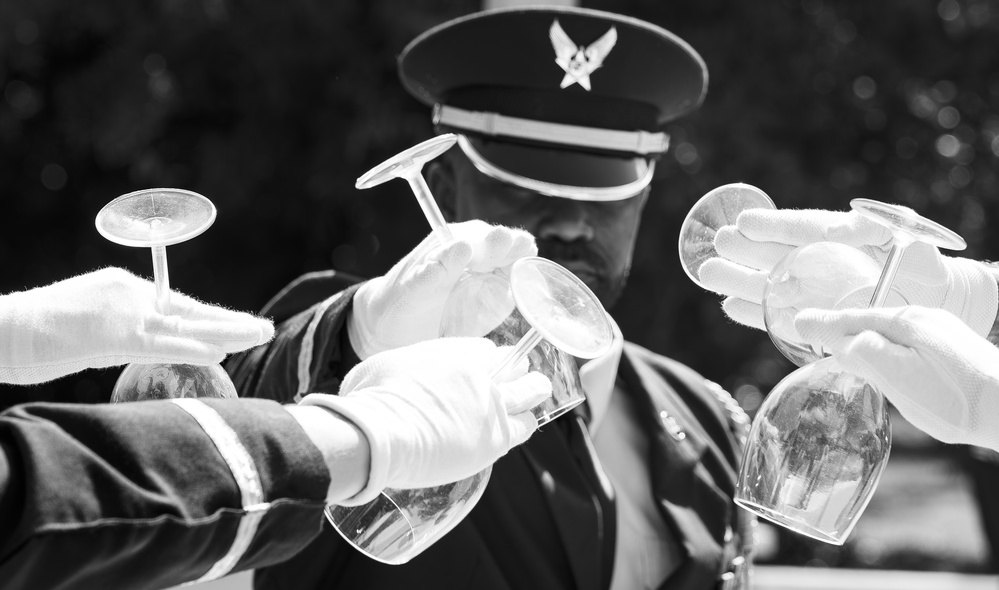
402,523
821,439
155,219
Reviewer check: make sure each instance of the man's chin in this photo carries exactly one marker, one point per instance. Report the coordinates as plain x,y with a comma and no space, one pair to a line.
608,292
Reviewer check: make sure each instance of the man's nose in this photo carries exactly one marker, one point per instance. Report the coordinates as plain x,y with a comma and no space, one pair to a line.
566,220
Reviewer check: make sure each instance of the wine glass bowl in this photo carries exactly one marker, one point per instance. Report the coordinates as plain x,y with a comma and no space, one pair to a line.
155,219
907,226
820,275
139,382
819,444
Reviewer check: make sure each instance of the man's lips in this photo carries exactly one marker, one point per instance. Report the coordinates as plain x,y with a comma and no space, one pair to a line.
582,269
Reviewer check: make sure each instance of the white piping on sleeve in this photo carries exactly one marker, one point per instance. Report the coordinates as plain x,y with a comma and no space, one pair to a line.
244,471
305,350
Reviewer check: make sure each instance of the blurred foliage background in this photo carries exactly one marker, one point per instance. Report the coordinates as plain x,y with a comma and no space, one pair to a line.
273,109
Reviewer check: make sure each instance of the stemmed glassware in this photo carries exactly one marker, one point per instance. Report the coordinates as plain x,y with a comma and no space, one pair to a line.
155,219
541,309
820,441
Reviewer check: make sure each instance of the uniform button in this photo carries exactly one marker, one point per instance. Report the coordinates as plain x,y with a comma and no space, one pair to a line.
672,426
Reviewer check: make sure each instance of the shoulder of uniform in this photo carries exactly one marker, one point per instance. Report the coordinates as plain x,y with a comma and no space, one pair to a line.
736,418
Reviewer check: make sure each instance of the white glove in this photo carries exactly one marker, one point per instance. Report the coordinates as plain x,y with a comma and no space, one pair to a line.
432,413
405,306
107,318
750,249
941,376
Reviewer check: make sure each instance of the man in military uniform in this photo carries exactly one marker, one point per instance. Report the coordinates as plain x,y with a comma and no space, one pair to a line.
559,114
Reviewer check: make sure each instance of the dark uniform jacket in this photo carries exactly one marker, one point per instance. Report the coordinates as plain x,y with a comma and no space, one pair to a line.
139,495
545,521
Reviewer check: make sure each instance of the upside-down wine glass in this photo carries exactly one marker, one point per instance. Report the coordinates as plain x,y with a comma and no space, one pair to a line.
400,524
821,439
157,218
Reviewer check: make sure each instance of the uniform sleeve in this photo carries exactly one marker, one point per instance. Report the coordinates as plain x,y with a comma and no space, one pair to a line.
310,353
153,494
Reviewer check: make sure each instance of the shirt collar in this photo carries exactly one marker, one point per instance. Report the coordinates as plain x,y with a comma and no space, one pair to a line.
597,377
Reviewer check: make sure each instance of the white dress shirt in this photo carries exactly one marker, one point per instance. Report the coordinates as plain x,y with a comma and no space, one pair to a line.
646,551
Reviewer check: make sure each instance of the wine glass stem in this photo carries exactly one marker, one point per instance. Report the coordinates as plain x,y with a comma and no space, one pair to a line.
522,349
429,206
888,273
161,278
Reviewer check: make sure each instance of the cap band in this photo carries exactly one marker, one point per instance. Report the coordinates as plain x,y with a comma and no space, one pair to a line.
579,193
494,124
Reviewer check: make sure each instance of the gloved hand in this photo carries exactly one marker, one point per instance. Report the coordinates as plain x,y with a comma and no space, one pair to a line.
941,376
750,249
107,318
405,305
432,413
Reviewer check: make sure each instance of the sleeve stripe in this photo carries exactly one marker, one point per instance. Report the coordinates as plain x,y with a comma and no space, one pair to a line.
305,349
245,473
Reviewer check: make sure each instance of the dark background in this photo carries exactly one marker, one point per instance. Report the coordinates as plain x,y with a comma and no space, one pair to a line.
272,110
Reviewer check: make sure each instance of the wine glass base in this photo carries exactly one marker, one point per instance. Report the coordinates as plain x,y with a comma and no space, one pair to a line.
560,307
904,222
718,208
790,523
399,165
155,217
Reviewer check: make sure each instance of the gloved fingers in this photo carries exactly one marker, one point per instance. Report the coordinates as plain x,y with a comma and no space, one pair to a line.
744,312
176,350
522,426
733,280
238,333
441,270
189,309
908,379
923,263
523,393
500,247
900,325
797,227
732,245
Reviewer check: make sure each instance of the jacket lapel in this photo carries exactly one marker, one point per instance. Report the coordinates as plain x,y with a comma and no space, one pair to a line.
691,502
578,515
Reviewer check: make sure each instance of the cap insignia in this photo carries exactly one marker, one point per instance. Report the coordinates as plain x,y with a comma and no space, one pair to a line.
577,61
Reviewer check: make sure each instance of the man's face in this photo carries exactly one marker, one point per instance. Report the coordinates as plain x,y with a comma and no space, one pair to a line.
594,240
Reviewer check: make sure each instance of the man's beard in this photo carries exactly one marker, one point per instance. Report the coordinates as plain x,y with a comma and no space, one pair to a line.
607,286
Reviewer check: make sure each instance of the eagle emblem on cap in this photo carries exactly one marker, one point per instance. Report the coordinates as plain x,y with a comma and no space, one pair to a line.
577,61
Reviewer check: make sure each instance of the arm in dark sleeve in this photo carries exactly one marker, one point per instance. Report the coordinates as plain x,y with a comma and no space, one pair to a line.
153,494
310,353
